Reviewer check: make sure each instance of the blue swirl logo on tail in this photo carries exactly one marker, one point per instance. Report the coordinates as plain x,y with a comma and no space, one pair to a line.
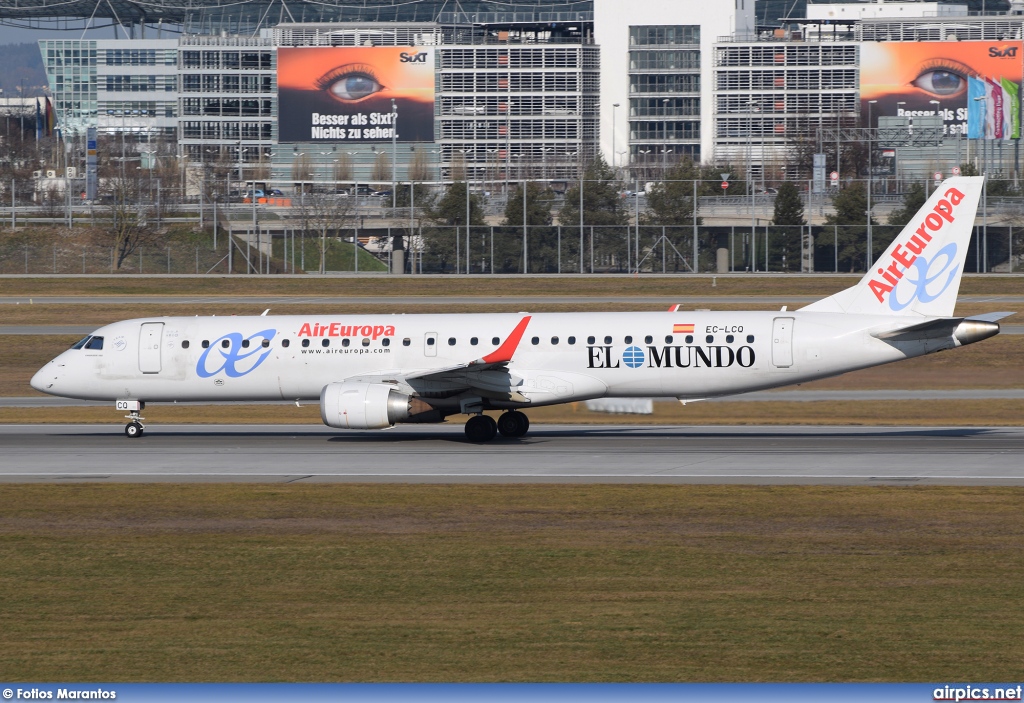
926,280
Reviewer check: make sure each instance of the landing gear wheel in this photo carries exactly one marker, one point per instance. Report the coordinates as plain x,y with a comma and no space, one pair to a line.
513,424
133,430
481,428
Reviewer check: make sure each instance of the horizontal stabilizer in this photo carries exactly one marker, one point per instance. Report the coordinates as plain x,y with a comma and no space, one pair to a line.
933,329
991,316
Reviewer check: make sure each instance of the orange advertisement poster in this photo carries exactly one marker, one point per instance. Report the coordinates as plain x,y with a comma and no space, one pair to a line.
905,77
345,94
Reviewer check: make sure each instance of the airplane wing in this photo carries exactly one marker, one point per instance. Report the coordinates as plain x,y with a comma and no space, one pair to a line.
488,376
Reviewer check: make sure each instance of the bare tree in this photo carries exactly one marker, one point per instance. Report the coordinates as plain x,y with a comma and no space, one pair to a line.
325,214
131,224
382,168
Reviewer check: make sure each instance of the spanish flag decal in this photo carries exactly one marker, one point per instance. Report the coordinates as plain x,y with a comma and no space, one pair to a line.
682,329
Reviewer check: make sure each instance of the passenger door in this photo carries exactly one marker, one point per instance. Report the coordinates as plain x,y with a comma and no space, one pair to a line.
150,339
782,342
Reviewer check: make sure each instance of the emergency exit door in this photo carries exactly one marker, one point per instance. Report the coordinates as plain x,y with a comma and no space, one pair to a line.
782,342
150,339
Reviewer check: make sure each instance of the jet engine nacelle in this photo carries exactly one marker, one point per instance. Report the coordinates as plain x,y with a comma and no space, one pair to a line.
370,406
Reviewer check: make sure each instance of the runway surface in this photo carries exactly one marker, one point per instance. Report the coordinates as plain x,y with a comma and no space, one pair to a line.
406,300
797,396
549,454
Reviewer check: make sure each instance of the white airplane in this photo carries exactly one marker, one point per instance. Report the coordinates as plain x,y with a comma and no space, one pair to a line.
373,371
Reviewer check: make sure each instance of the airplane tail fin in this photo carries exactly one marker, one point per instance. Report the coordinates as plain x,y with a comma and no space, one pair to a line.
919,274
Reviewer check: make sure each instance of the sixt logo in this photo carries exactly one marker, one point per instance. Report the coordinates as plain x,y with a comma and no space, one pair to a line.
902,259
996,53
232,355
668,357
405,57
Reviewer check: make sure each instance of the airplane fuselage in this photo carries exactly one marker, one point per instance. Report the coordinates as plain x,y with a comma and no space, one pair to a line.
561,357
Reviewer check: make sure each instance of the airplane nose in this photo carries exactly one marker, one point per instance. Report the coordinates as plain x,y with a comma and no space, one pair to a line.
44,378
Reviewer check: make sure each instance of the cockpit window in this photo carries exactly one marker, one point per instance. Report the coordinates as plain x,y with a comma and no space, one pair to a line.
81,343
95,343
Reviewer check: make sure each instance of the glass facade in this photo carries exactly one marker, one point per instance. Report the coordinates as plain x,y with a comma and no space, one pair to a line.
664,94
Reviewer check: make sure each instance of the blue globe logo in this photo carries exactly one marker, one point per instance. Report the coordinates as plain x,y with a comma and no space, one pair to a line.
633,357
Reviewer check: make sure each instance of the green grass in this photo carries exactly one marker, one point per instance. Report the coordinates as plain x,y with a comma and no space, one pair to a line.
510,583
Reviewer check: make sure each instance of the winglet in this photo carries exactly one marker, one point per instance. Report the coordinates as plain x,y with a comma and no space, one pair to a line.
503,354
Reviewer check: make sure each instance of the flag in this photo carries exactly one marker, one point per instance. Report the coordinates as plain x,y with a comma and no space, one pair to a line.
975,108
1011,108
39,121
994,110
50,117
682,328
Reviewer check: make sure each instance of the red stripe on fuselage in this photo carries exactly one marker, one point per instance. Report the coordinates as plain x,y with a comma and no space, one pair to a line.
505,351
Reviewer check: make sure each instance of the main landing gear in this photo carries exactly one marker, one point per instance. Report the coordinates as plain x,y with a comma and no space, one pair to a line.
482,428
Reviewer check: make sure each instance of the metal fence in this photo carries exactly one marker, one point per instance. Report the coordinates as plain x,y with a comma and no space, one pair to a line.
515,250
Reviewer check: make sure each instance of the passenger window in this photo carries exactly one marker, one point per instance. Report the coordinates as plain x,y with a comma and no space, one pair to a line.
205,344
265,343
285,343
729,339
648,339
406,342
668,339
305,342
590,339
750,339
629,339
608,339
325,342
385,342
535,341
554,340
709,339
430,341
245,344
451,341
345,342
474,341
80,343
689,339
225,343
366,341
495,341
184,344
571,340
95,343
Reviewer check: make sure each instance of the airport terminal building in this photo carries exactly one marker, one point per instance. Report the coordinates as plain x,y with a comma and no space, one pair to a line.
523,90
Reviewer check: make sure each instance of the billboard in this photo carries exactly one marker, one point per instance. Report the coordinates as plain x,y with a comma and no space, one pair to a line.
344,94
905,77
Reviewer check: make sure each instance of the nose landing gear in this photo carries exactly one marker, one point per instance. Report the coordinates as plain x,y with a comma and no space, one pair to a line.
134,428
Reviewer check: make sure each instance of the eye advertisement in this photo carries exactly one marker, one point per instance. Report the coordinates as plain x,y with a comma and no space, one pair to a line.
344,94
922,78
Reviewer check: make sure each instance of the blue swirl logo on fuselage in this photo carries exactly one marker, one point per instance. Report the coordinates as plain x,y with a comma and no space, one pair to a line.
924,276
234,359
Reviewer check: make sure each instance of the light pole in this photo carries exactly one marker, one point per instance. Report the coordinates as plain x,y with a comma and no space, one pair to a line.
614,110
984,190
938,142
871,183
394,154
898,182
